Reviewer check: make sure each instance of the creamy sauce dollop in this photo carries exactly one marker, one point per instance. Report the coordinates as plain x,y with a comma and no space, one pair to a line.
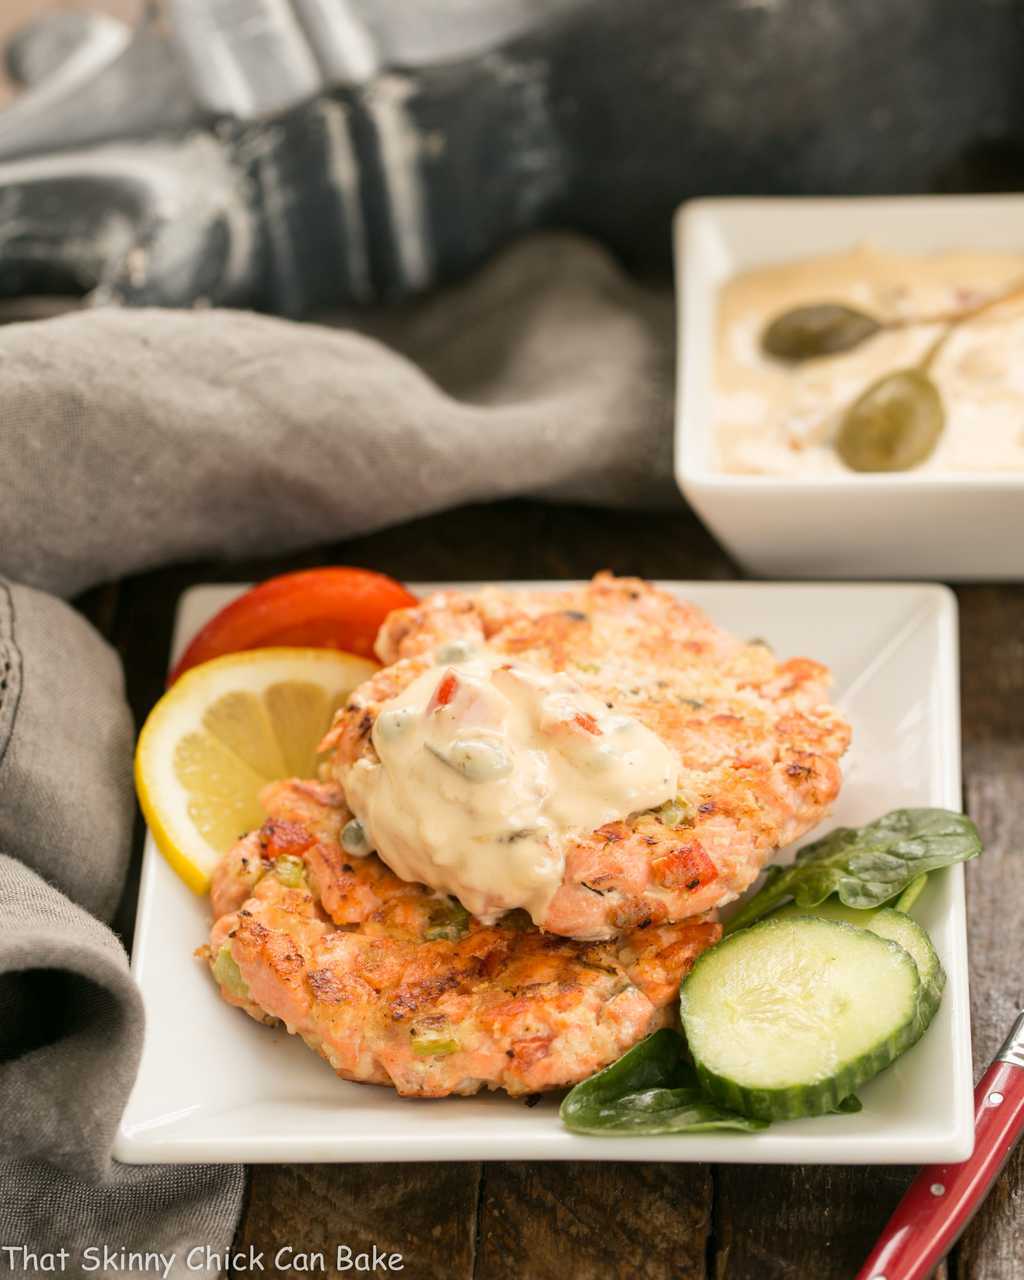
486,767
771,418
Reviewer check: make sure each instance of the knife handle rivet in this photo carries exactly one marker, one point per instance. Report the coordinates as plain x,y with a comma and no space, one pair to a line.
937,1189
994,1099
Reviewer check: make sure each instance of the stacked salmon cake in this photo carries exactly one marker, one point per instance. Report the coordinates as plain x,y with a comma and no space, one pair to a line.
398,983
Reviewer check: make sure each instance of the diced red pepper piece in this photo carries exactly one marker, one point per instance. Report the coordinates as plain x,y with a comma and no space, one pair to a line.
445,691
686,867
279,838
587,721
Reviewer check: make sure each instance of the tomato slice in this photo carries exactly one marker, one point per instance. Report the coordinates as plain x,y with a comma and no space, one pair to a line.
332,608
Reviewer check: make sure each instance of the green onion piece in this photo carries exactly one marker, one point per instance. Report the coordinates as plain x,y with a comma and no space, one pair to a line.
675,813
449,920
517,919
427,1047
228,974
291,871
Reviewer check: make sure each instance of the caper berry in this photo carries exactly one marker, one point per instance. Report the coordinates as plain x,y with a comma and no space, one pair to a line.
391,724
824,329
894,425
479,760
599,756
455,651
353,839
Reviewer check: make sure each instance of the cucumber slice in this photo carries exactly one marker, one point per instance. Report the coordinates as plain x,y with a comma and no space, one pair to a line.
898,927
830,909
789,1017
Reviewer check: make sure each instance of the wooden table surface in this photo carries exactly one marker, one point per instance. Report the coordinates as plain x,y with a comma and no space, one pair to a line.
652,1221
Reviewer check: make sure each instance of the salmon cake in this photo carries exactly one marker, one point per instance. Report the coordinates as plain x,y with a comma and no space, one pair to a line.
394,984
603,756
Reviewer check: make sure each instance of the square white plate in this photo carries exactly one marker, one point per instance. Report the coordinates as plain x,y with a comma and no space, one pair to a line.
907,524
213,1085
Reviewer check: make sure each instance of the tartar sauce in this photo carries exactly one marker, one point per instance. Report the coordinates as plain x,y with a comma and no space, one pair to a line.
778,419
486,767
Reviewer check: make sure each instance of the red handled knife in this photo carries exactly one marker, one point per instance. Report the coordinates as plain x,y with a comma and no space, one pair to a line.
943,1198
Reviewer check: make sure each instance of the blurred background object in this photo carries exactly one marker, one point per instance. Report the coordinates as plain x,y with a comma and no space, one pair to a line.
18,16
26,61
295,154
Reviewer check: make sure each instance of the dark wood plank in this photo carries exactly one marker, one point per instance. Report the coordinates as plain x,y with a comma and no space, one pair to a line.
425,1212
775,1222
512,540
992,639
594,1222
99,605
501,541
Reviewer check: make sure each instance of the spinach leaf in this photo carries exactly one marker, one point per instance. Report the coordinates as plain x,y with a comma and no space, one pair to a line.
866,866
652,1089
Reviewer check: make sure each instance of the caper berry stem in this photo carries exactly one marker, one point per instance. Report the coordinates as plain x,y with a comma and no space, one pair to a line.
957,318
932,353
825,329
961,314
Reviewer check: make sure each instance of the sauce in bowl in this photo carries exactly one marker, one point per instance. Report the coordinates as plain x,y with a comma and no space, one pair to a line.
778,418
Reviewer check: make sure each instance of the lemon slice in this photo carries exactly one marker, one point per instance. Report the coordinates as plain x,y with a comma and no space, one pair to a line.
221,733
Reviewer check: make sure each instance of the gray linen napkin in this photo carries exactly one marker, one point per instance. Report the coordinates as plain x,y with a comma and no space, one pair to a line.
71,1019
134,438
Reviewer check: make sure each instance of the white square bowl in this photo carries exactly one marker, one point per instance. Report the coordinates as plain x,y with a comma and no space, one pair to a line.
903,525
213,1085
